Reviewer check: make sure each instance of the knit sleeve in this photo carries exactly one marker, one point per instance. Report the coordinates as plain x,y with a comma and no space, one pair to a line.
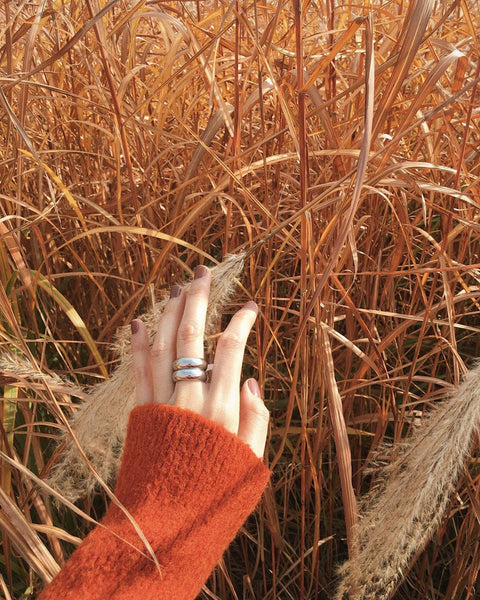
188,485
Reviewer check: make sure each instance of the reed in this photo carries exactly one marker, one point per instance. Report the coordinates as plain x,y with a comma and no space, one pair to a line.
335,150
413,493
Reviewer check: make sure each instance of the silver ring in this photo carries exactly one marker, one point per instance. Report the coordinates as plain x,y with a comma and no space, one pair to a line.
189,363
193,374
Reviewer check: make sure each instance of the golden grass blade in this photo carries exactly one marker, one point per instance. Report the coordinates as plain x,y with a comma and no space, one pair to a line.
134,12
57,533
73,315
30,534
426,89
25,540
68,46
4,588
367,136
215,123
361,169
9,410
28,54
415,24
10,240
17,125
20,372
7,314
133,231
71,200
342,41
342,445
224,182
20,32
470,19
209,74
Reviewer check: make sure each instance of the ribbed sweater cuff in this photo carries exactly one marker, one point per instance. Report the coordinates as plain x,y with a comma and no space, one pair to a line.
173,452
189,484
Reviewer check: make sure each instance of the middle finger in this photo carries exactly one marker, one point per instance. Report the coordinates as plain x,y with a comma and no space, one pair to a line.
190,337
192,325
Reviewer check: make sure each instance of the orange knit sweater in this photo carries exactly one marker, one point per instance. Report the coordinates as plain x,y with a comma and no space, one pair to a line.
189,484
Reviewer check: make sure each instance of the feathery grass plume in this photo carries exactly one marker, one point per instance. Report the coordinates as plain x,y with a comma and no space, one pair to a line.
409,503
19,367
100,424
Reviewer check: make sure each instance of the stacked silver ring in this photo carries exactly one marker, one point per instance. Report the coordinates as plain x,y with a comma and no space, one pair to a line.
189,369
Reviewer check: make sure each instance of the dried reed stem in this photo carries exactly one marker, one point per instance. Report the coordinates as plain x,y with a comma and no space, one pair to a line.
342,446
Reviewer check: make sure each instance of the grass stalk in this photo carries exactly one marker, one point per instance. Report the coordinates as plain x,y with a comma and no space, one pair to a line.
335,150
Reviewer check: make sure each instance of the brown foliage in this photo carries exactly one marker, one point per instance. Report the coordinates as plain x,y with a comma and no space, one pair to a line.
339,150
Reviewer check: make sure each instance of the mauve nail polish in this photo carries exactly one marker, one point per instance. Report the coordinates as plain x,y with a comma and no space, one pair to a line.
200,271
175,291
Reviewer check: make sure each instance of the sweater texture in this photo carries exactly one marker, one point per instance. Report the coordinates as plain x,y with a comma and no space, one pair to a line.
188,485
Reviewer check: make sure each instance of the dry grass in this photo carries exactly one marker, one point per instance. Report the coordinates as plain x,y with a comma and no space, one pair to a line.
425,470
340,150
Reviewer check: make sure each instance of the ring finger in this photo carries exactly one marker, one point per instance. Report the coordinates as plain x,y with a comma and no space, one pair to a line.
164,346
227,368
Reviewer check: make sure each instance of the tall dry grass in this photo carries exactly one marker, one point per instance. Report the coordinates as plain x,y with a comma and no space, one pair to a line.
339,147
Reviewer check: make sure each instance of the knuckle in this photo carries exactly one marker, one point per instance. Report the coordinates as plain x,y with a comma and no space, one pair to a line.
160,346
220,414
188,332
139,347
169,309
140,373
231,340
197,289
259,410
242,319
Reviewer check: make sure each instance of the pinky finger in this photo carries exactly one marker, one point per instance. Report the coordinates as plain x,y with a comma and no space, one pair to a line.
254,418
142,365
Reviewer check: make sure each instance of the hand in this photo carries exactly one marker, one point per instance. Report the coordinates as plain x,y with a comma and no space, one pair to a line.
180,334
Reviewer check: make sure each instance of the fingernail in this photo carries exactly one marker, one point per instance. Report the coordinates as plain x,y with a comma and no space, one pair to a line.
200,271
251,305
175,291
134,326
254,387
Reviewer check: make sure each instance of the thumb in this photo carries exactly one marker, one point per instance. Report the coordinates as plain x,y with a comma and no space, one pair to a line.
254,417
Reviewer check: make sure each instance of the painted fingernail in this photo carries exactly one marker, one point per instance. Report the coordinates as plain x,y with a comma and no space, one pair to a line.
200,271
251,305
254,388
134,326
175,291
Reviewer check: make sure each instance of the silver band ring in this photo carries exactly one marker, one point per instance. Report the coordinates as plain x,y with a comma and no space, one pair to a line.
191,374
189,363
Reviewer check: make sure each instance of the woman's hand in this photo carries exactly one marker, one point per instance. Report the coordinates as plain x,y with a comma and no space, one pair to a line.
180,334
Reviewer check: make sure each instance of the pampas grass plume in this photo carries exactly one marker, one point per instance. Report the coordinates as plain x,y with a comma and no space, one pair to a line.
408,507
